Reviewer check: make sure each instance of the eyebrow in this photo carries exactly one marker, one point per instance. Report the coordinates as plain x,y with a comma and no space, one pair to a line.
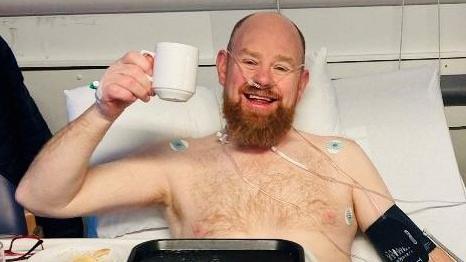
280,58
285,59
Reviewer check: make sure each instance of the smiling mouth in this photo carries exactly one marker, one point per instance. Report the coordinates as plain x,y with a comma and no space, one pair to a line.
260,99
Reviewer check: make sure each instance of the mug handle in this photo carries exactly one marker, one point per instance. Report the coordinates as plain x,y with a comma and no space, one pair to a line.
145,52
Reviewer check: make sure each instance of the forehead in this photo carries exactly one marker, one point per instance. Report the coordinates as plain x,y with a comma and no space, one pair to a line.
269,35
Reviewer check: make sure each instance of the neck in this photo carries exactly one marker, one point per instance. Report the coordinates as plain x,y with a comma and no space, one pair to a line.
223,138
251,149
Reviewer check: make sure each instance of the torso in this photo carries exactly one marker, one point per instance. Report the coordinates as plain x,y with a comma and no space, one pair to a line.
226,193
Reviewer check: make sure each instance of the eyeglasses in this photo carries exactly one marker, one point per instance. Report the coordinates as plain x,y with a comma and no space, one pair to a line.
249,65
23,247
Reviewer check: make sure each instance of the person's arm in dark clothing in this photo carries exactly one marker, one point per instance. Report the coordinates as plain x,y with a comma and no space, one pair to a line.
23,131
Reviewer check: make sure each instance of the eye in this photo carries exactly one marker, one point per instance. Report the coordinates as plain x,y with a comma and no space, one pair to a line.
249,62
282,68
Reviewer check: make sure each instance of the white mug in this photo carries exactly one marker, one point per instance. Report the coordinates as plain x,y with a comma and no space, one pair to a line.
175,71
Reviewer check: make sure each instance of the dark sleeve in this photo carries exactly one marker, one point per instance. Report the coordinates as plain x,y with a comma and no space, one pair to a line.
23,130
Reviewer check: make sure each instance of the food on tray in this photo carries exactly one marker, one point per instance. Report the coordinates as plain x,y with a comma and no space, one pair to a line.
92,256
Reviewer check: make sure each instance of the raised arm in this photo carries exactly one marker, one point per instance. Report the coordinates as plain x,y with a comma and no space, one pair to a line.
60,182
384,223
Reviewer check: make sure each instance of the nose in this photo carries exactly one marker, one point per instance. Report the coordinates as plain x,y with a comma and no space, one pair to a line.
263,77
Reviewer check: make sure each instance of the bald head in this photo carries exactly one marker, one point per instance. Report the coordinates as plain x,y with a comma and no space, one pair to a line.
267,18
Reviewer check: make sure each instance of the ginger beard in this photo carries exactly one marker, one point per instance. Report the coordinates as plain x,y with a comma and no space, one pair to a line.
248,128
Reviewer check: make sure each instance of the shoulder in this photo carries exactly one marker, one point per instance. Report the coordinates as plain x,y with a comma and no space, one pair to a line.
345,152
178,151
335,146
204,144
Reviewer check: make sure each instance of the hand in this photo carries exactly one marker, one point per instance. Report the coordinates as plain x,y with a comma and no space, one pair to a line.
124,82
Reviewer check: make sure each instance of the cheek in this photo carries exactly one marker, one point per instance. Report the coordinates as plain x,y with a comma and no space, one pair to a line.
233,86
232,94
289,95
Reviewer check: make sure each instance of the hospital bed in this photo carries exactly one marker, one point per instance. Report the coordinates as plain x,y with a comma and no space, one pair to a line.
397,118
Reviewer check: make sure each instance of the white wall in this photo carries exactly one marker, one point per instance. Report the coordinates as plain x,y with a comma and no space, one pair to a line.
361,40
56,7
352,33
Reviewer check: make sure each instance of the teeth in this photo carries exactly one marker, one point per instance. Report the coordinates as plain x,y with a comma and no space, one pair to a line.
260,98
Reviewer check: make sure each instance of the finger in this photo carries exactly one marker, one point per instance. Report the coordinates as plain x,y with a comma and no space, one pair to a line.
135,72
143,61
131,84
150,56
116,92
115,79
123,76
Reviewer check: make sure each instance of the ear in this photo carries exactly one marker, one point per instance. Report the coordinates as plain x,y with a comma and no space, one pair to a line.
303,81
222,62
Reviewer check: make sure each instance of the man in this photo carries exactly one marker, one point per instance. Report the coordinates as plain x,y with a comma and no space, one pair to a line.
263,179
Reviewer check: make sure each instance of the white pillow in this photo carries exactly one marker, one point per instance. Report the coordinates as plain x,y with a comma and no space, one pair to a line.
406,129
317,112
155,121
403,116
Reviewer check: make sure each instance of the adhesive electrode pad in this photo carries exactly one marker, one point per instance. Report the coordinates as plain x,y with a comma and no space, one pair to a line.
178,144
349,216
334,146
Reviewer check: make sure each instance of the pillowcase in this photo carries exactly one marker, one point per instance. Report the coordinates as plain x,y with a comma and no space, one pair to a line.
403,117
155,121
317,112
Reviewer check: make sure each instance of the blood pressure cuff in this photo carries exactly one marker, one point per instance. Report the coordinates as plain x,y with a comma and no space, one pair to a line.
396,238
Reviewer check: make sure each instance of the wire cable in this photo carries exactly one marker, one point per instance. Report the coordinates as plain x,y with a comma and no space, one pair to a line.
282,201
439,34
334,165
401,33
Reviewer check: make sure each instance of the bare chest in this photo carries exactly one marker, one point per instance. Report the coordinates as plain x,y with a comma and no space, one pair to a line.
263,198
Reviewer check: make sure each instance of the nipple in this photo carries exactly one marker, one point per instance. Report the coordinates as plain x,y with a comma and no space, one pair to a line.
179,145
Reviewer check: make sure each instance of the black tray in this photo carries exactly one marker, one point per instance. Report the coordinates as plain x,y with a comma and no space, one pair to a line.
217,250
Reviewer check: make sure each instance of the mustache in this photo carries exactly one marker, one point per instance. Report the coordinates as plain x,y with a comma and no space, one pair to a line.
265,91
